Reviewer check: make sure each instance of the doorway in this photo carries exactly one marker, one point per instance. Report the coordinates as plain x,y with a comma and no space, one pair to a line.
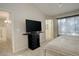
5,34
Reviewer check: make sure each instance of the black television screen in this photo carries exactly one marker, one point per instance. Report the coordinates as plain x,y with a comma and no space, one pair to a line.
32,25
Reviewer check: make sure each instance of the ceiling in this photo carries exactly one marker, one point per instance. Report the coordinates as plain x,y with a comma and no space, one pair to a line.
53,9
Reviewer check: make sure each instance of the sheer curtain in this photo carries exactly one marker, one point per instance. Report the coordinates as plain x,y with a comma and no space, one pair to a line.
68,26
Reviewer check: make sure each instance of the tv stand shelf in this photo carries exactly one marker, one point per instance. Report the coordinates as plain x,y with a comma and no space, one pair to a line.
26,33
31,33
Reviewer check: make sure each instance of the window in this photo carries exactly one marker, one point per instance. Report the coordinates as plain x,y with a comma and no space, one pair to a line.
68,25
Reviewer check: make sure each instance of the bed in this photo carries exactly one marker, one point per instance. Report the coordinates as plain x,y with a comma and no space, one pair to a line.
63,46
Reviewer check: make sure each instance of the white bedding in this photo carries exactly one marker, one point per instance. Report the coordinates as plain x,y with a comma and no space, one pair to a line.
63,46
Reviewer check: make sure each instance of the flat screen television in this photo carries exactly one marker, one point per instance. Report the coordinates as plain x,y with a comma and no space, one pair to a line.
32,25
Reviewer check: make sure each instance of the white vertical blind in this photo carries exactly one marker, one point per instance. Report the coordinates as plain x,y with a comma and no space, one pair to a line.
68,25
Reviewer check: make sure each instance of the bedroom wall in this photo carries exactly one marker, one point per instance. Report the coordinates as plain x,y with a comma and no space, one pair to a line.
18,14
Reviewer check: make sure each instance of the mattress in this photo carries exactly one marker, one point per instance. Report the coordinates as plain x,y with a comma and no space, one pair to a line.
63,46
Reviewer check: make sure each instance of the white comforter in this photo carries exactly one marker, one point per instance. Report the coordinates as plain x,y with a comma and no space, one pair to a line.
63,46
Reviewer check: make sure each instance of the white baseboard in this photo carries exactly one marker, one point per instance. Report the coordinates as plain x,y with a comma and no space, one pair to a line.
18,50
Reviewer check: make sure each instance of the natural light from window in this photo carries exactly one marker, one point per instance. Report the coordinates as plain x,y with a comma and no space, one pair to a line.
68,25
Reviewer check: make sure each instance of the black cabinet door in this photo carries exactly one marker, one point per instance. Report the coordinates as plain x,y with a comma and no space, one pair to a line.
33,41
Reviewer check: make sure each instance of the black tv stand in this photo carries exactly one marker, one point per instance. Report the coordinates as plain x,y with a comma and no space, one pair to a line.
33,40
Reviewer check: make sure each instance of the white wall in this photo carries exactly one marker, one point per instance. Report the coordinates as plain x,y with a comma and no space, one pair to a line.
18,14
